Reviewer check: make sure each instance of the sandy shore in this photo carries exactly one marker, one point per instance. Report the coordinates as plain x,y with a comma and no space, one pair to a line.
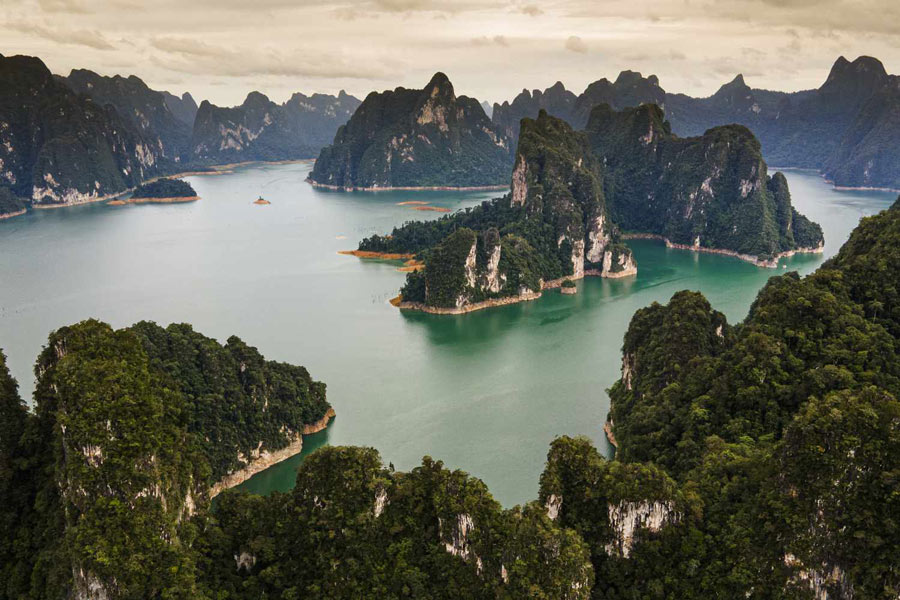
432,208
607,429
377,255
13,214
769,264
267,459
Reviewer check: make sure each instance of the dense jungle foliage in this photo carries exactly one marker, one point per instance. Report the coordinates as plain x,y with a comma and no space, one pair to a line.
105,485
165,188
10,203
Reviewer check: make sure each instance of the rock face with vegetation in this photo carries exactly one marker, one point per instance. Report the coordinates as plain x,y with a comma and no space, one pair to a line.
146,110
415,138
782,432
261,130
708,192
554,224
571,192
429,533
131,428
57,147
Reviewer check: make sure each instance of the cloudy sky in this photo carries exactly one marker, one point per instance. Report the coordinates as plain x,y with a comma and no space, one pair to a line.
490,49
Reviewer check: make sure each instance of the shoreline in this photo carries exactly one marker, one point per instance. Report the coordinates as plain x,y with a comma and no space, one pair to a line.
842,188
754,260
268,459
607,429
213,170
505,301
423,188
377,255
18,213
167,200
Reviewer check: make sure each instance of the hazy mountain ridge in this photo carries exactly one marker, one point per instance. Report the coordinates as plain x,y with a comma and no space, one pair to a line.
262,130
844,128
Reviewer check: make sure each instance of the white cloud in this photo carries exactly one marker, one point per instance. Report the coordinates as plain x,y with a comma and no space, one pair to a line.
576,44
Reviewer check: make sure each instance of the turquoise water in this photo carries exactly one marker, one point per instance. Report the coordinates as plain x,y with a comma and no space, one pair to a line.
485,392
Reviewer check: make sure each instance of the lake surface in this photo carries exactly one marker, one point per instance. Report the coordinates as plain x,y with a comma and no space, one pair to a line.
485,392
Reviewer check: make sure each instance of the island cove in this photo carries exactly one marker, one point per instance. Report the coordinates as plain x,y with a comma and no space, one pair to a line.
571,192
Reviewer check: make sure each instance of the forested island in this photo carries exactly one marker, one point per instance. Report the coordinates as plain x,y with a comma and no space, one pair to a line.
404,138
161,191
572,195
755,460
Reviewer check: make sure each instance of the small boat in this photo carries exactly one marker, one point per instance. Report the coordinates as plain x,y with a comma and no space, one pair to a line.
261,201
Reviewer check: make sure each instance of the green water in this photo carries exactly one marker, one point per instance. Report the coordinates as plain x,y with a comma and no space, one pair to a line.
485,392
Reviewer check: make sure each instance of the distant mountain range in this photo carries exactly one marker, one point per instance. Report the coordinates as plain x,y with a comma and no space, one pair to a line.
261,130
847,128
428,137
85,137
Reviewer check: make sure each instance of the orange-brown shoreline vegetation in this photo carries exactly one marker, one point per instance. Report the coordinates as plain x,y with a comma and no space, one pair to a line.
411,265
377,255
431,208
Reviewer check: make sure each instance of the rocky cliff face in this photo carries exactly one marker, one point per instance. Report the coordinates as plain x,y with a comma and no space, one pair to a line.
709,192
57,147
553,225
558,179
415,138
261,130
146,110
